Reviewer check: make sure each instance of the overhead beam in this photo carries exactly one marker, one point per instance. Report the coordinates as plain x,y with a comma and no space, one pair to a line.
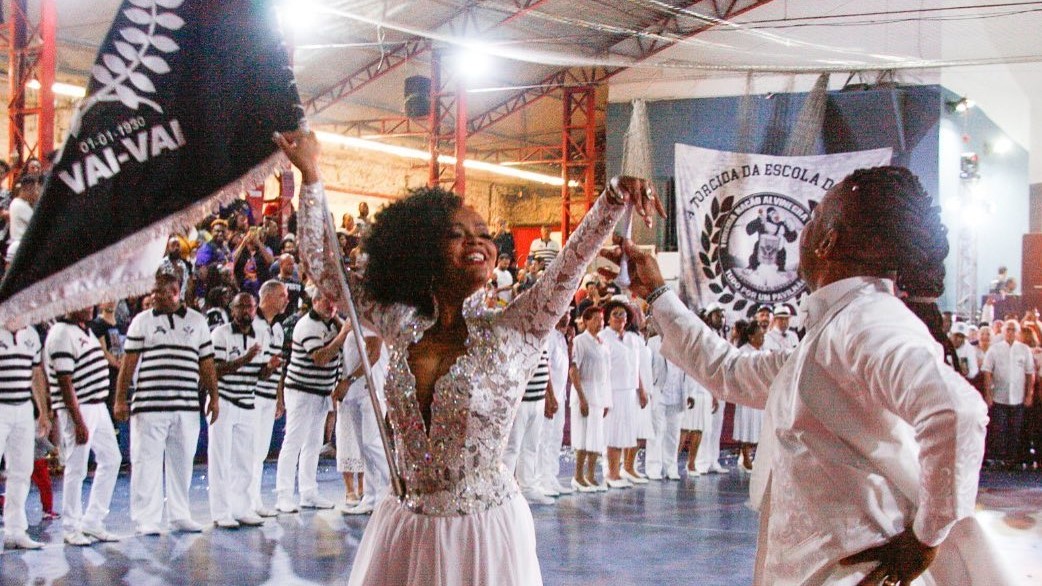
460,23
658,36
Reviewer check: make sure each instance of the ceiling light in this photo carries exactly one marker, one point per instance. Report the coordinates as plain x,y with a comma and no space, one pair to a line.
59,88
472,60
1002,146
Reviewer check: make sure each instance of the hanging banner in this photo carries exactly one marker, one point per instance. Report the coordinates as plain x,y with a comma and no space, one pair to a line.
181,105
739,219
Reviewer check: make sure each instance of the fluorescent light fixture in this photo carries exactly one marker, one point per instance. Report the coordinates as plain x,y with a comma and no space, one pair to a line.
411,153
59,88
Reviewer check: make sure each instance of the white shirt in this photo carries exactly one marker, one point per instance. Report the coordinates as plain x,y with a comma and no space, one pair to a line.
867,431
503,279
20,214
592,358
625,359
672,385
1009,367
777,340
353,361
557,348
544,251
967,354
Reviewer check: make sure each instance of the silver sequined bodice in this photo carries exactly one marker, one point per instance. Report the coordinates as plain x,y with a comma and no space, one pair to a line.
457,469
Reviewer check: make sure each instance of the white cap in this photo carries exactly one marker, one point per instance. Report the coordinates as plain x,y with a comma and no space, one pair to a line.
782,311
714,306
960,328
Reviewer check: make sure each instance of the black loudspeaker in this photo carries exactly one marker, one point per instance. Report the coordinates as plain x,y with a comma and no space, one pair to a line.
417,96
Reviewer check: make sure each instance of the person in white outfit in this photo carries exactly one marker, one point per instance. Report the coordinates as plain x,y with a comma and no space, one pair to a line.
21,386
670,402
274,297
747,420
522,453
313,372
590,373
549,466
627,394
242,357
357,406
1009,382
707,458
168,354
835,508
779,337
79,379
965,352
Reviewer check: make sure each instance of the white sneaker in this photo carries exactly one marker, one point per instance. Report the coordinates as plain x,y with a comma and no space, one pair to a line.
362,508
563,489
21,540
655,477
673,475
149,530
266,512
77,538
717,468
227,523
316,502
535,497
99,533
186,526
287,508
549,491
250,520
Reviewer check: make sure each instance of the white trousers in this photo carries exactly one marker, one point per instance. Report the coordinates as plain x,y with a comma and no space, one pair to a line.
17,437
264,413
367,435
549,465
102,441
230,459
305,425
522,453
661,456
162,447
709,449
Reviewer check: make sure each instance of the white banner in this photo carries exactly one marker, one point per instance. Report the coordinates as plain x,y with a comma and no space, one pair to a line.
739,218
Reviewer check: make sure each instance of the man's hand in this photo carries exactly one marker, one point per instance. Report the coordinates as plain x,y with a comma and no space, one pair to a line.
551,406
645,275
120,411
280,409
251,352
901,560
82,435
212,409
43,425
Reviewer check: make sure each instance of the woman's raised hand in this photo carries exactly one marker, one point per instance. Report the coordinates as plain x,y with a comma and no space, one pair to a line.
302,148
639,192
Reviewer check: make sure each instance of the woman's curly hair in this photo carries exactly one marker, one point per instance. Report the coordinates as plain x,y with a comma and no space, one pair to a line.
404,248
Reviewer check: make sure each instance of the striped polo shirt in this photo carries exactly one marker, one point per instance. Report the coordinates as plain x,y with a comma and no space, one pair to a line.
535,388
230,343
268,387
73,350
312,333
170,346
20,352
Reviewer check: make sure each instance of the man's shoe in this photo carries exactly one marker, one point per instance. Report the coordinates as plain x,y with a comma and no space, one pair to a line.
186,526
227,523
21,540
286,508
562,488
655,476
316,502
550,492
77,538
717,468
362,508
249,520
537,498
266,512
672,475
99,533
149,530
693,473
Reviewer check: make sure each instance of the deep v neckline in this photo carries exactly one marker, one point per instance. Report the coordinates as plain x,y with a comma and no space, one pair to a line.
413,401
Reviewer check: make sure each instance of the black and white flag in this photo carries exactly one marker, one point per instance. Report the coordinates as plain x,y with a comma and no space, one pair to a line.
180,109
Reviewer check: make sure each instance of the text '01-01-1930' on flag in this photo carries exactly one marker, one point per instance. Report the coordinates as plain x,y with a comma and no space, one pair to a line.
180,109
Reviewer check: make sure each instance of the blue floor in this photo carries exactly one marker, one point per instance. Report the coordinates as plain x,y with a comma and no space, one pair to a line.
681,532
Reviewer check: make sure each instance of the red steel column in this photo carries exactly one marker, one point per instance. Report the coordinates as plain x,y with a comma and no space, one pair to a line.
434,139
460,185
45,72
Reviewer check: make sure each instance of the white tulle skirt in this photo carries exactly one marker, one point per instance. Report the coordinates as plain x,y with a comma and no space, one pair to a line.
747,424
402,548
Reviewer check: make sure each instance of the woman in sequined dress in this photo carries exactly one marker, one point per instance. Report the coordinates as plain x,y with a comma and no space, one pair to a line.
457,372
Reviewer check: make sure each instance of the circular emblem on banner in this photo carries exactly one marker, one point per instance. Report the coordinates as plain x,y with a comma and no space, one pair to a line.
759,248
